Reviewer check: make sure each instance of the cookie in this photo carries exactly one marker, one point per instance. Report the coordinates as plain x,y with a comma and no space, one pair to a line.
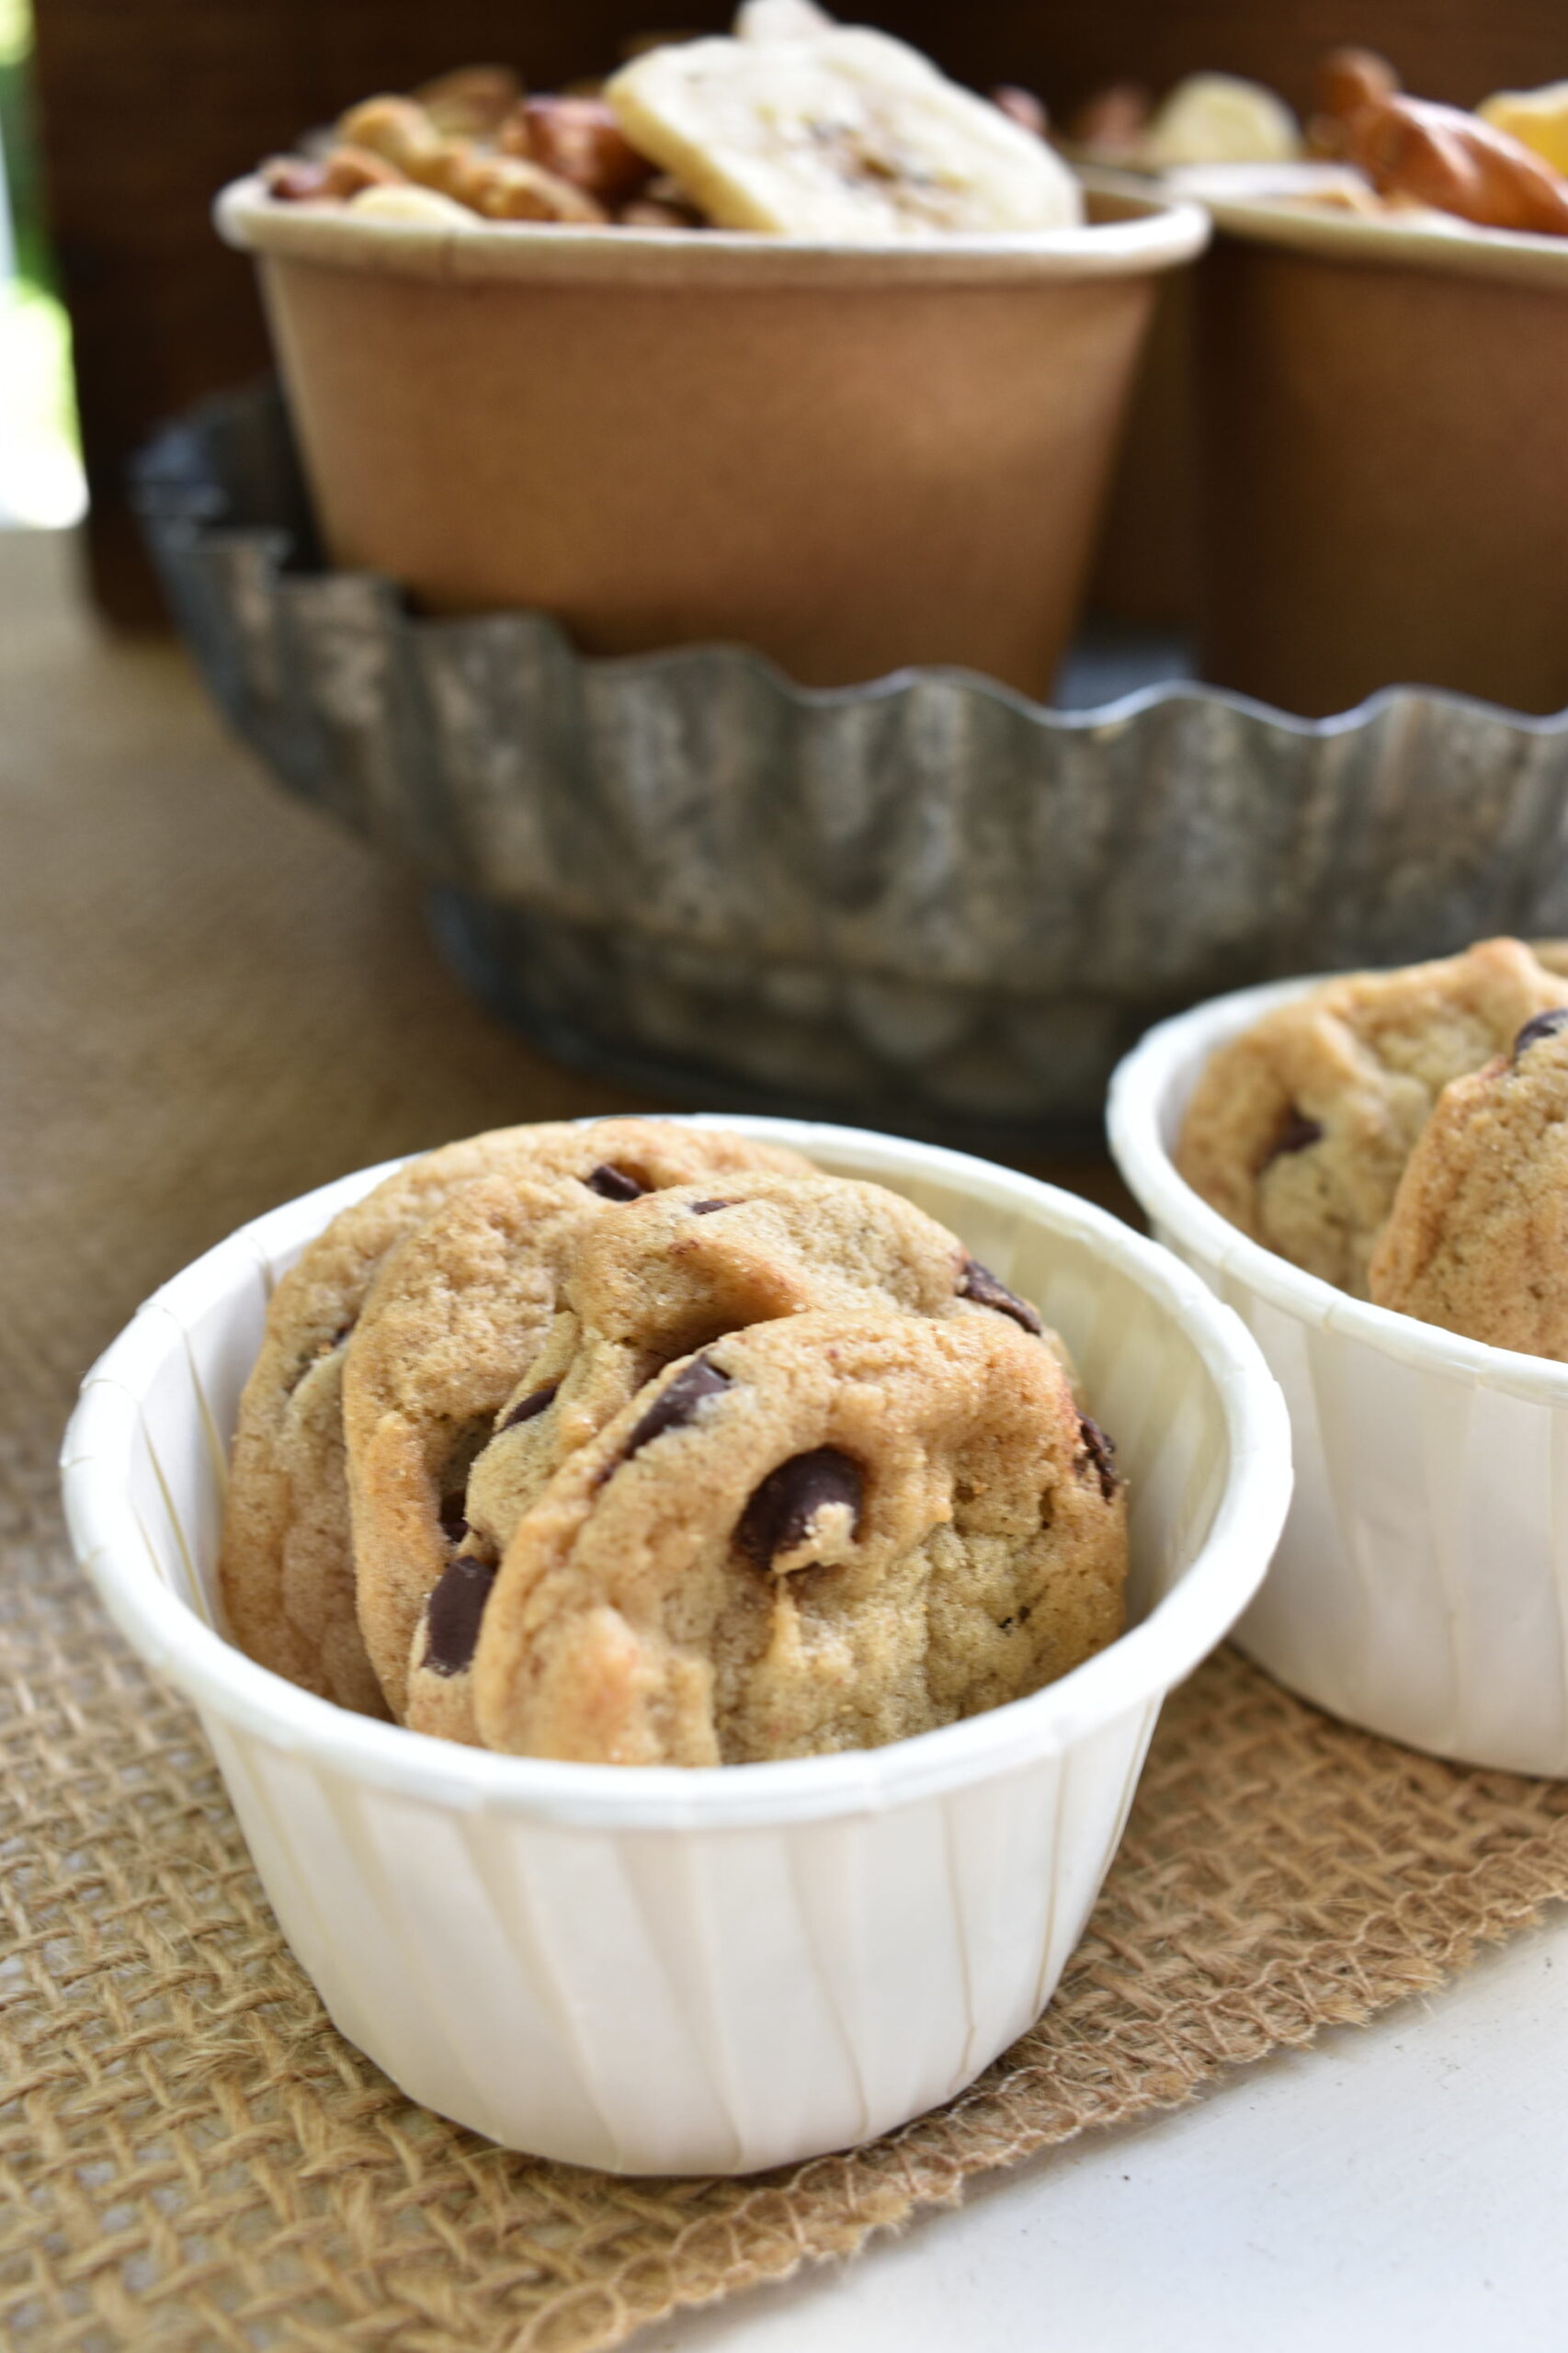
454,1319
672,1272
1477,1239
1299,1130
285,1565
824,1532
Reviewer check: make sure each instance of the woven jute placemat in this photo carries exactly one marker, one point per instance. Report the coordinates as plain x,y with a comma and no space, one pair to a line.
206,1004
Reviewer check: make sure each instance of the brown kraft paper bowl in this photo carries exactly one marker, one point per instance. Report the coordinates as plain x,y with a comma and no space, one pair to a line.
1385,473
854,458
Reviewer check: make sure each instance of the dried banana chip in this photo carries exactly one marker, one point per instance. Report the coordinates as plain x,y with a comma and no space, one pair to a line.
781,20
848,138
420,207
1220,118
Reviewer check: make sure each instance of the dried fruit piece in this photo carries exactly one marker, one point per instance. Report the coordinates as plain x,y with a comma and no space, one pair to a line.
851,137
1537,118
1220,118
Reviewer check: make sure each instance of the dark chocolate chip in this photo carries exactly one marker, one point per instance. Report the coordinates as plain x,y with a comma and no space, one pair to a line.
783,1507
706,1209
613,1183
454,1527
978,1282
454,1613
1296,1133
531,1407
1100,1452
1543,1025
677,1404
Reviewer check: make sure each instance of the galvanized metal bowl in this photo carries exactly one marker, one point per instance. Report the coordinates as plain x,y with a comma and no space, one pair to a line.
925,901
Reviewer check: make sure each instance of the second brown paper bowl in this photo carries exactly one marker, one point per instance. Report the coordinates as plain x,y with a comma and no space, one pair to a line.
852,457
1386,471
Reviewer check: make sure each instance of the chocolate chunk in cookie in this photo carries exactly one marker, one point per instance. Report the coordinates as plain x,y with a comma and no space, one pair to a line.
980,1284
928,1467
810,1505
457,1323
454,1613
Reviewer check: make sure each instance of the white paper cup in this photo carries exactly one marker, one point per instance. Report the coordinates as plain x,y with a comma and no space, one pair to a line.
1421,1587
665,1970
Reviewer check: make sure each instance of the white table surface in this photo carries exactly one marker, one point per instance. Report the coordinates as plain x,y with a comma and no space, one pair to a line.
1403,2184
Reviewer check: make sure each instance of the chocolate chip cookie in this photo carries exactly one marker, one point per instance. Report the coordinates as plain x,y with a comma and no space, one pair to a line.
824,1532
285,1565
1299,1130
662,1277
1477,1239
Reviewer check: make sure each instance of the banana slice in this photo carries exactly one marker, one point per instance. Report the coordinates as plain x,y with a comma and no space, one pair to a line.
850,137
421,207
1219,119
781,20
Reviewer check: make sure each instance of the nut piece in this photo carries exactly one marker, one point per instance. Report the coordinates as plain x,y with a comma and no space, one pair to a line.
1346,81
1112,122
579,140
506,188
329,179
471,102
1024,108
397,129
294,179
1441,157
658,212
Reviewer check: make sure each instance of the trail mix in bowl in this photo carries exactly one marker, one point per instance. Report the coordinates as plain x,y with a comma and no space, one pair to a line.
791,126
1501,166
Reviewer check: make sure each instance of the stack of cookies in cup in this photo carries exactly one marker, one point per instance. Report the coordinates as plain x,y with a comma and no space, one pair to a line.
638,1443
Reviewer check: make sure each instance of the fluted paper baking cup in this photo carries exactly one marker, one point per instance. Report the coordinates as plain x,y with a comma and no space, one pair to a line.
1421,1586
656,1970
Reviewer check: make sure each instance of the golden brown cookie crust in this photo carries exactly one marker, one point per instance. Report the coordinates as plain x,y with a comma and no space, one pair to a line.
678,1595
286,1563
1299,1130
660,1277
1477,1241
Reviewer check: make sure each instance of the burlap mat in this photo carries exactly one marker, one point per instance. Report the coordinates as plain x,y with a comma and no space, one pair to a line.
208,1003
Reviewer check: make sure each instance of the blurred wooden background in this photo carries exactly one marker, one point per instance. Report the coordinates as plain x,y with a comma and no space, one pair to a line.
148,106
